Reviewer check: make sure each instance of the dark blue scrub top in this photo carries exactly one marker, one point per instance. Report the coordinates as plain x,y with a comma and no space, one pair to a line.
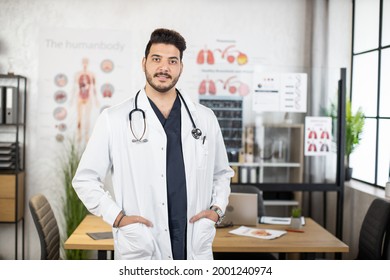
176,180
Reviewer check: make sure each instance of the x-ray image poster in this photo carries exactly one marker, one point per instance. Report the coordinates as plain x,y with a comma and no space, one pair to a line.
81,72
318,136
279,92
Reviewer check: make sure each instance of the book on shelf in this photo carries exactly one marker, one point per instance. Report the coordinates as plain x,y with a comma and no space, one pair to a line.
9,105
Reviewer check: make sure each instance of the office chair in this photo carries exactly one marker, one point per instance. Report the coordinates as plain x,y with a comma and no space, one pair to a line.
386,245
46,224
373,231
252,189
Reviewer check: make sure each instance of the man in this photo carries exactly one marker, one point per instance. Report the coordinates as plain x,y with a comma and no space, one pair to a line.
170,173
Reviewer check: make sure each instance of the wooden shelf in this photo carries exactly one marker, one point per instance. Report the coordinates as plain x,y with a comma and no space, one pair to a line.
11,197
12,175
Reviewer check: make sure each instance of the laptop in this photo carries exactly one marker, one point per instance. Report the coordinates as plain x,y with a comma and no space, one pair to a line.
241,210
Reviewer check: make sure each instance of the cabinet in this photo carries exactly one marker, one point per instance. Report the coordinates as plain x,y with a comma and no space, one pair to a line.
13,90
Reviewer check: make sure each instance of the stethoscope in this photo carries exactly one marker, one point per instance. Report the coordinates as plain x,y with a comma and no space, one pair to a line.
196,132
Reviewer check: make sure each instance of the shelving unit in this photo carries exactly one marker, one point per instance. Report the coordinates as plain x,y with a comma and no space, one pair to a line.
288,167
290,163
13,89
278,159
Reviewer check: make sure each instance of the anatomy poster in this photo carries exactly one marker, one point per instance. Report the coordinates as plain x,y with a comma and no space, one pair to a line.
318,136
279,92
81,72
223,68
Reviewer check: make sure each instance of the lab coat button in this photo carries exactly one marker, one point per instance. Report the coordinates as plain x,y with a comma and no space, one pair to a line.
169,257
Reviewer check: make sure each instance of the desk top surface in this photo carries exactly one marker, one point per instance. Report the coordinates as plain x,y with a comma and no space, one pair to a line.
314,239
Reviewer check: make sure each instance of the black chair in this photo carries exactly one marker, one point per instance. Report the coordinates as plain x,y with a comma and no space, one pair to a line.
374,234
47,227
386,245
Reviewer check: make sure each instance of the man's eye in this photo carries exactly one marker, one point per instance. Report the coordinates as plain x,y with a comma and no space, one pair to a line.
156,59
173,61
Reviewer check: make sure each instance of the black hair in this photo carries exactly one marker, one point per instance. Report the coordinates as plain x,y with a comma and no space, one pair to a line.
166,36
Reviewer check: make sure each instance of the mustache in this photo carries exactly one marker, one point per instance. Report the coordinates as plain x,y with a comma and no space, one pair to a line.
163,74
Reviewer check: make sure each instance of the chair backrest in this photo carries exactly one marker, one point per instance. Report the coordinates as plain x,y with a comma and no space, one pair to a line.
252,189
373,230
47,227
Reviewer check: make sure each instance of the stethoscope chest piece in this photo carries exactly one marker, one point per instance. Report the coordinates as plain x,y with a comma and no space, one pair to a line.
196,133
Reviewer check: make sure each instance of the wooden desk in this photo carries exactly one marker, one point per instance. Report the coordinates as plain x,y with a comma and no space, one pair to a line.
315,239
79,240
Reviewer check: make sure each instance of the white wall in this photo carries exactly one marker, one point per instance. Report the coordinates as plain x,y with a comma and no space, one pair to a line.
278,32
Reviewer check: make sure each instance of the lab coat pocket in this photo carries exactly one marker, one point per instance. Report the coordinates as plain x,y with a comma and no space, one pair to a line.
135,241
202,239
201,153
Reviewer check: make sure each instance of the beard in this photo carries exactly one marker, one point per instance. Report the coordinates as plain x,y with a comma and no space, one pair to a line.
165,87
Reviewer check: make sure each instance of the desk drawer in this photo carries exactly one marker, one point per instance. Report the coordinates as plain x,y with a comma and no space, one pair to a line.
8,197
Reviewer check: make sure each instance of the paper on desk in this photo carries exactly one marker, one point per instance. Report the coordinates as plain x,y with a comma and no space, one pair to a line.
100,235
257,232
278,220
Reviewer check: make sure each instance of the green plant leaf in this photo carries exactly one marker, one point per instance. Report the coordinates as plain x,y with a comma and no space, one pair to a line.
74,209
354,125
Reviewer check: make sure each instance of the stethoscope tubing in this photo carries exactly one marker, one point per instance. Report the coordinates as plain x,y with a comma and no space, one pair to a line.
196,132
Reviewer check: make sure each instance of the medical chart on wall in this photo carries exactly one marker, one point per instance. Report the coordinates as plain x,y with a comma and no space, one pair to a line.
81,72
222,67
318,136
279,92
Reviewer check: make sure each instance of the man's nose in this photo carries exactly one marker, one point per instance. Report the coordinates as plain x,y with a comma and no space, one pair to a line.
164,66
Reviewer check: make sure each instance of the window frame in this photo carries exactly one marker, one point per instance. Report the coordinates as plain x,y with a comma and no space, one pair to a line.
377,117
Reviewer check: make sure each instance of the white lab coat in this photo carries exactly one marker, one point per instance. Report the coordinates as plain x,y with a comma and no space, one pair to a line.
139,178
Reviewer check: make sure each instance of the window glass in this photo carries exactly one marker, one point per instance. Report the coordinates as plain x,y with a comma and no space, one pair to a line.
362,160
386,23
384,105
383,152
364,85
366,25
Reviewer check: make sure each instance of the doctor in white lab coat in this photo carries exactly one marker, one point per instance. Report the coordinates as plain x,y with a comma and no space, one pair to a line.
138,213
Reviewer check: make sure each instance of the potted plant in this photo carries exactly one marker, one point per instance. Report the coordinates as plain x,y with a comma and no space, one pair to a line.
354,124
296,220
73,209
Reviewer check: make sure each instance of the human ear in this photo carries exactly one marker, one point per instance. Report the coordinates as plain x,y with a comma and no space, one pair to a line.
143,64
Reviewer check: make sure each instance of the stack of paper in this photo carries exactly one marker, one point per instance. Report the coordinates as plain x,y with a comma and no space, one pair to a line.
278,220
